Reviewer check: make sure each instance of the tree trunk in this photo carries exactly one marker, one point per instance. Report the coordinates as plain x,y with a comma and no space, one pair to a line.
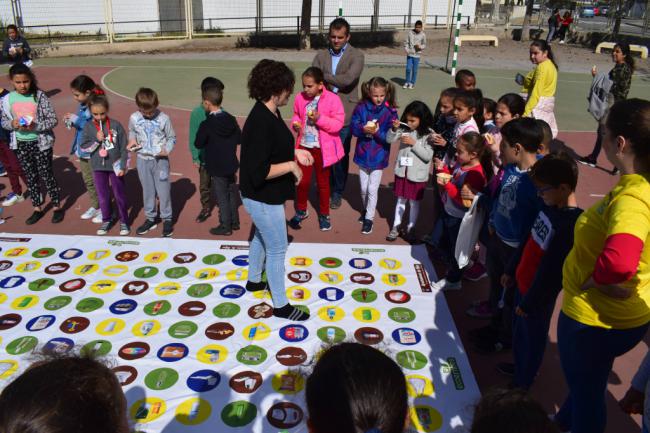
495,11
525,28
305,25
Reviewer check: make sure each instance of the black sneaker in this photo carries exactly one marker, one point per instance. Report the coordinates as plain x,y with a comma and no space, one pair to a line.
366,229
256,287
335,202
300,215
221,231
506,368
324,223
33,219
587,160
146,227
204,215
168,229
57,216
235,226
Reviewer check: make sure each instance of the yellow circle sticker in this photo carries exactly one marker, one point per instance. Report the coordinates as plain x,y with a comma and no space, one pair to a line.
262,294
24,302
330,277
298,293
28,266
390,264
425,418
193,411
115,270
393,279
7,368
102,287
366,314
167,288
87,269
212,354
146,328
110,327
156,257
419,386
240,274
331,313
256,332
16,252
300,261
207,274
99,254
148,409
3,298
288,382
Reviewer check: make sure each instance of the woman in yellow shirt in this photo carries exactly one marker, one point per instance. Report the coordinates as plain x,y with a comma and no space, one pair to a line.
606,277
540,84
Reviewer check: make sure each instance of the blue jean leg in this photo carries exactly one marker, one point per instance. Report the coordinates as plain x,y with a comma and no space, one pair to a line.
409,69
269,247
587,354
415,63
340,170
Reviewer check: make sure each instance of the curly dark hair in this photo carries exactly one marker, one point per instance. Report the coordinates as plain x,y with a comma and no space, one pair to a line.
270,78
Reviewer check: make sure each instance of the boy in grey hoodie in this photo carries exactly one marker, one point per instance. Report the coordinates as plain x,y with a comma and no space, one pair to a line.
415,42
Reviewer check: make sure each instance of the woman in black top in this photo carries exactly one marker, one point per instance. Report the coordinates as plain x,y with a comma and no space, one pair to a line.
268,174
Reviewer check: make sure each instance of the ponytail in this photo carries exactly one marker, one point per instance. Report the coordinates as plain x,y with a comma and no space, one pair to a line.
545,46
625,49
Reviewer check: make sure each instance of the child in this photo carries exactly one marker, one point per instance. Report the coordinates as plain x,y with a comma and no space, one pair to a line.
218,137
318,117
444,122
489,111
466,105
198,157
11,165
152,136
29,115
538,274
15,47
465,80
412,165
371,120
567,20
473,168
540,84
82,87
83,395
415,43
361,385
104,139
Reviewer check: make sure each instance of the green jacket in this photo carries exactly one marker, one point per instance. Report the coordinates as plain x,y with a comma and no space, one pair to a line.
198,115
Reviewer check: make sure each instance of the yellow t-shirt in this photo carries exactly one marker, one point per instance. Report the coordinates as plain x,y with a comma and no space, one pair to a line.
541,81
626,209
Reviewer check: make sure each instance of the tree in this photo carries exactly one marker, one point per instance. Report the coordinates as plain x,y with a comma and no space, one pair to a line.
525,28
305,25
495,10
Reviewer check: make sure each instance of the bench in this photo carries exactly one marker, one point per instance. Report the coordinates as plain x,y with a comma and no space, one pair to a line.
478,38
610,45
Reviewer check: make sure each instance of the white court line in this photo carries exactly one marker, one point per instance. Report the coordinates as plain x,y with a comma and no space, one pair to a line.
597,195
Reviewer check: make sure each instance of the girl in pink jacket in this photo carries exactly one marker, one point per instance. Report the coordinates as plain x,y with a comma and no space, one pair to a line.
318,116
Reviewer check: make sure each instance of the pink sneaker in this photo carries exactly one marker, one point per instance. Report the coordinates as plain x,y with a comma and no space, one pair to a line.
475,272
480,310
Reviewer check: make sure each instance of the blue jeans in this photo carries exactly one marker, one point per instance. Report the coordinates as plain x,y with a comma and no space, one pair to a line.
587,354
340,170
268,247
412,69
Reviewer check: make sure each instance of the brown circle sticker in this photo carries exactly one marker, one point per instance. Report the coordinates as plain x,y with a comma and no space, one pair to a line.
135,350
369,336
219,331
300,276
57,268
125,374
246,382
362,278
291,356
135,288
73,285
127,256
397,296
5,264
8,321
192,308
260,311
285,415
184,258
74,325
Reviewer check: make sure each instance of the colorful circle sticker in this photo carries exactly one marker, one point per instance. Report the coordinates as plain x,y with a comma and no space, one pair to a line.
135,288
193,411
425,418
97,347
59,346
364,295
87,269
127,256
157,308
406,336
8,321
72,285
71,254
219,331
24,302
125,374
134,350
99,255
251,355
288,382
146,328
173,352
42,253
21,345
203,380
300,261
155,257
12,282
419,386
161,378
3,297
16,252
123,306
260,311
192,308
145,272
246,382
330,262
200,290
110,327
331,294
5,264
241,260
183,258
148,409
40,284
284,415
262,294
238,413
300,277
7,368
256,332
366,314
393,279
182,329
28,266
212,354
397,296
226,310
232,291
298,293
390,264
401,315
330,277
103,287
214,259
360,263
88,305
167,288
177,272
291,356
57,302
331,334
115,270
411,359
331,313
369,336
56,268
362,278
293,333
237,275
74,325
39,323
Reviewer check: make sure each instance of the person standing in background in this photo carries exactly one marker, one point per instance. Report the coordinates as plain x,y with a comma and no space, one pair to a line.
415,42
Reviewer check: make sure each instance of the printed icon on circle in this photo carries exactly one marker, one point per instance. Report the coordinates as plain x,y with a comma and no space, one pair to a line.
127,256
155,257
393,279
193,411
240,274
123,306
330,277
331,334
285,415
397,296
110,327
192,308
56,268
71,254
28,266
42,253
103,287
366,314
362,278
125,374
16,252
99,254
8,321
72,285
401,315
182,258
12,282
182,329
411,359
59,346
206,274
232,291
157,308
74,325
330,262
7,368
24,302
146,328
241,260
219,331
40,284
203,380
145,272
246,382
135,288
177,272
173,352
251,355
226,310
291,356
167,288
21,345
200,290
57,302
88,305
300,261
300,277
97,347
214,259
256,332
148,410
212,354
369,336
419,386
406,336
298,293
5,264
87,269
115,270
260,311
39,323
331,294
288,382
262,294
330,313
390,264
364,295
360,263
425,418
238,413
293,333
134,350
161,378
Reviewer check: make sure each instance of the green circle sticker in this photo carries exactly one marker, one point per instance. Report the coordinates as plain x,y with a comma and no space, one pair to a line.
146,272
411,359
251,355
199,290
331,334
157,308
87,305
330,262
214,259
177,272
183,329
226,310
21,345
238,413
42,253
401,315
57,302
161,378
97,347
303,308
41,284
364,295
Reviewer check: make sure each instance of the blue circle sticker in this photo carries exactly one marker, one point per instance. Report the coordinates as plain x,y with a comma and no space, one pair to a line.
71,254
173,352
232,291
406,336
240,260
11,282
40,322
360,263
331,294
59,345
123,306
293,333
203,380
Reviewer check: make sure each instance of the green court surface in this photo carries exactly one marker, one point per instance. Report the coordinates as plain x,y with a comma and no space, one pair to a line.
177,83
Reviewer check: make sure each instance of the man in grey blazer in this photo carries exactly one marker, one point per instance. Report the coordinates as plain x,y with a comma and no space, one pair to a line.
342,65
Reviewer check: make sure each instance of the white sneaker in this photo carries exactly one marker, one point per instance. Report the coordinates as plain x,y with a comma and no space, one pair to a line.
97,219
89,213
12,199
405,86
446,285
411,86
